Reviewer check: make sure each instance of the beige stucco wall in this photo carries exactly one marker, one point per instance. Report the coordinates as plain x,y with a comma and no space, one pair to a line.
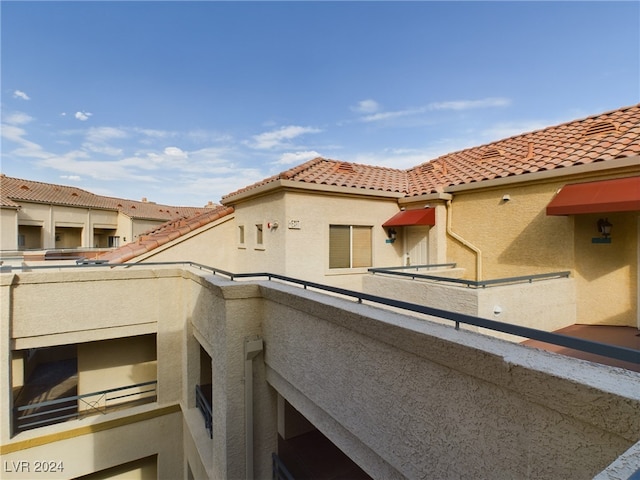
607,274
88,448
212,245
299,246
115,363
516,237
407,398
8,229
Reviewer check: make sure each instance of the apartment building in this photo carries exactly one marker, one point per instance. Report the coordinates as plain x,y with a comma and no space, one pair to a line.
560,205
335,316
41,216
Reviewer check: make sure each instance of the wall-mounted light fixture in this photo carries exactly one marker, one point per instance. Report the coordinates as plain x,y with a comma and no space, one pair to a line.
272,225
604,229
391,234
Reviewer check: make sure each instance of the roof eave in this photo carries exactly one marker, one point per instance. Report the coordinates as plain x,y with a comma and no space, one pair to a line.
594,167
282,184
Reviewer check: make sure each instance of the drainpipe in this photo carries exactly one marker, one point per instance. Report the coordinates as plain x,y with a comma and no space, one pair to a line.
470,246
252,347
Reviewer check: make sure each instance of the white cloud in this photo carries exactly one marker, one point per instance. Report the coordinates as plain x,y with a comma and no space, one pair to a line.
278,138
83,116
458,105
376,117
103,134
366,106
296,157
21,94
74,178
469,104
18,118
175,152
27,148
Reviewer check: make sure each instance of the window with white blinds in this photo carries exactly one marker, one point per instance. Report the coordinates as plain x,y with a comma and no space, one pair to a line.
349,246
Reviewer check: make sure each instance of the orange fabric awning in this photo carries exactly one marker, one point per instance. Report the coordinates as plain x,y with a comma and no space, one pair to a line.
406,218
620,195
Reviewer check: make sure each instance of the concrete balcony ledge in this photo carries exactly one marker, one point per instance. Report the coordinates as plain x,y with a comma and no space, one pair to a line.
545,304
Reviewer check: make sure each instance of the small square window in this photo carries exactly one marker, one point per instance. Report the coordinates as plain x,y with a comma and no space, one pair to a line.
241,234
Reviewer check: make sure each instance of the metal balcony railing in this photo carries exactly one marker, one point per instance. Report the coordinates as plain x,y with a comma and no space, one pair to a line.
278,469
203,402
34,415
406,272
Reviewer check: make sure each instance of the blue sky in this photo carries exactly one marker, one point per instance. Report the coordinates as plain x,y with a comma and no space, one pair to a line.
183,102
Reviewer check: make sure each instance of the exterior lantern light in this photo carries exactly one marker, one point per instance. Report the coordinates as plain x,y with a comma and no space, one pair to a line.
604,227
392,234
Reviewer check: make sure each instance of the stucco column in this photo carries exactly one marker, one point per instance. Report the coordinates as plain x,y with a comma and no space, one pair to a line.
438,236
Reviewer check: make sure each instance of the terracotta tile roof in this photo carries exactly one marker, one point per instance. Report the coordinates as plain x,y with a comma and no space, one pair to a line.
15,190
324,171
165,233
598,138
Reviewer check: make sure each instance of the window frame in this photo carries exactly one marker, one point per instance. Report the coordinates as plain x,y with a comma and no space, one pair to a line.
356,261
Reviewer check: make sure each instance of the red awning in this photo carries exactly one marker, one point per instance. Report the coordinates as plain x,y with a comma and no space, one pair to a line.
423,216
620,195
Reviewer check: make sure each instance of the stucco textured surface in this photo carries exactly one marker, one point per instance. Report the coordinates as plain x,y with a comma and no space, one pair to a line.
435,403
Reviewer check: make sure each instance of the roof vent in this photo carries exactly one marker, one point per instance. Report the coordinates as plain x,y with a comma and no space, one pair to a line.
74,194
345,167
491,154
24,187
601,128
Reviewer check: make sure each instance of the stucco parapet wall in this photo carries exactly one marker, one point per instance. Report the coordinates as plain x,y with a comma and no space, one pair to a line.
624,467
567,385
82,274
223,287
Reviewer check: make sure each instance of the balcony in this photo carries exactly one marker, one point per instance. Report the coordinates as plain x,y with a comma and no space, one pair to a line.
542,301
203,402
51,395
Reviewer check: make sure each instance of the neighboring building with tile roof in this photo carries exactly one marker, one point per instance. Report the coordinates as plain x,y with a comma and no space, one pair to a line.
153,243
330,221
38,215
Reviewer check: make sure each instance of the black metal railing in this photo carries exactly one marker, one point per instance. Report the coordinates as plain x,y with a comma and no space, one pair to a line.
203,402
40,414
589,346
404,272
278,469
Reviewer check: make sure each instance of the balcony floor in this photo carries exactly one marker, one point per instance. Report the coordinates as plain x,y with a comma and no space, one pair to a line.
628,337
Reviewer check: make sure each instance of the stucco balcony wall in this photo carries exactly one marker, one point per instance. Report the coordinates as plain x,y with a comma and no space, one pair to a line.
543,304
410,398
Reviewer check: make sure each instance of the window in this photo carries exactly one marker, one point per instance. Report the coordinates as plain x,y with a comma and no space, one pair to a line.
349,246
259,237
114,241
241,234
